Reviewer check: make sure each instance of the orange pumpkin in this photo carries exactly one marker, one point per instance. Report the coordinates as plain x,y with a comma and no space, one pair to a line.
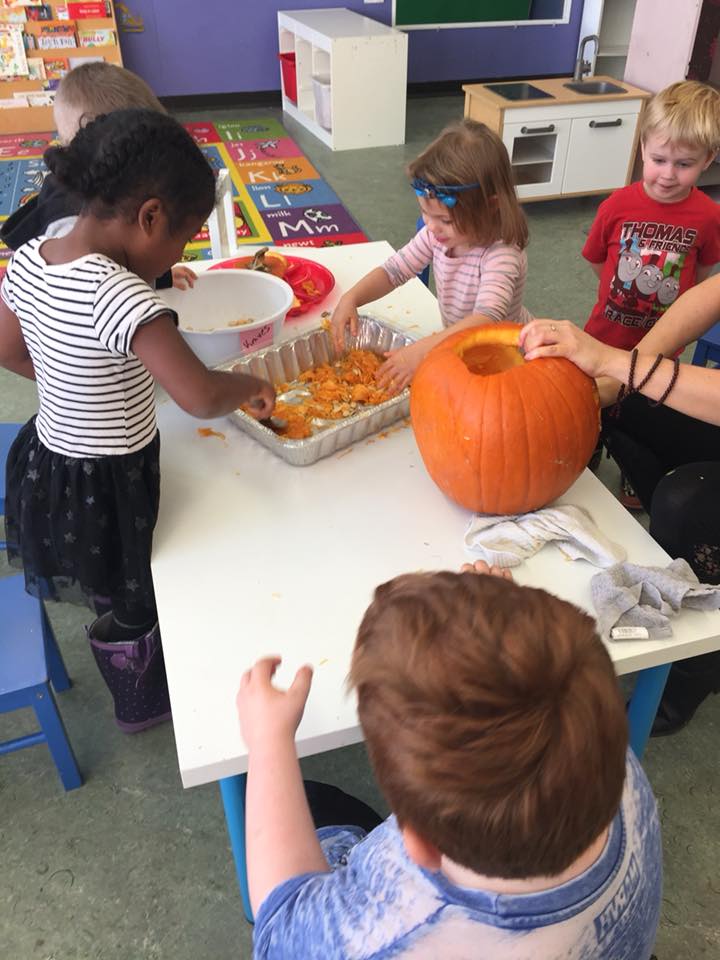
497,434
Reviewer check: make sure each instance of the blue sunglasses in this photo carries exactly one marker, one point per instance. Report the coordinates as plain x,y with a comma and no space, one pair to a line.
446,194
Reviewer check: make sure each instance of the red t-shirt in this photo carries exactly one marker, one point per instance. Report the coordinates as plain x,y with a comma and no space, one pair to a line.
650,253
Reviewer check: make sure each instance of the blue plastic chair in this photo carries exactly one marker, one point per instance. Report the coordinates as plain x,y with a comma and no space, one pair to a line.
29,657
708,348
425,275
29,661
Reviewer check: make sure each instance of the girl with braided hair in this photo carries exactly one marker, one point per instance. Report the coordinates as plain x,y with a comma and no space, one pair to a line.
78,314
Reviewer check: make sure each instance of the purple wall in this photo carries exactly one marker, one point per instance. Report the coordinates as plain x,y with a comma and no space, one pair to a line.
230,46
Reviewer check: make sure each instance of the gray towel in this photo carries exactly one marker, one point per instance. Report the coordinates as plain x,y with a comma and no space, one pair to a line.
505,541
628,595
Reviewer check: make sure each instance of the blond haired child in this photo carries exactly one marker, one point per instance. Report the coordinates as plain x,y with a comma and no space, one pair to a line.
83,94
474,236
522,826
654,239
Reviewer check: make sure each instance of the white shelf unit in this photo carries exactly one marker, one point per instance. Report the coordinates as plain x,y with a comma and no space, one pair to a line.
612,20
366,63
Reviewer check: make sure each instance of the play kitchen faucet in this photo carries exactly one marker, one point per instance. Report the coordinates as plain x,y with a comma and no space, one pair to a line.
583,66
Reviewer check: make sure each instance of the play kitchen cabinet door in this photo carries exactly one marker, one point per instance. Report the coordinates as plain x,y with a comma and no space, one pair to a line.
599,152
537,150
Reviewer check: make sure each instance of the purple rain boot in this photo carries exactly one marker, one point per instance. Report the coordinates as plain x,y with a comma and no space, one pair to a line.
134,674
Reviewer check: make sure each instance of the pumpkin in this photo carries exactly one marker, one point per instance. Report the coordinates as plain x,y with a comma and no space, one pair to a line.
497,434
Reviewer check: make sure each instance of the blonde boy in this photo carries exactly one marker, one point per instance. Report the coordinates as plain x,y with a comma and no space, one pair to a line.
85,93
654,239
522,826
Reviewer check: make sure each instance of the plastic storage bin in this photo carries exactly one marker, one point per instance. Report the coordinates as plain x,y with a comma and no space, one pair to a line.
289,75
323,110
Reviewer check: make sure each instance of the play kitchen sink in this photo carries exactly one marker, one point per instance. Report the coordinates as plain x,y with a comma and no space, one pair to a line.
566,136
518,91
594,88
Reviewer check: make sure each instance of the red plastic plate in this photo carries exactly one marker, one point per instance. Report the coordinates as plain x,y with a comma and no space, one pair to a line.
310,281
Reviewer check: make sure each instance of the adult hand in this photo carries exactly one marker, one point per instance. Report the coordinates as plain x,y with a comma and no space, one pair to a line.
481,567
266,713
344,313
183,277
560,338
399,368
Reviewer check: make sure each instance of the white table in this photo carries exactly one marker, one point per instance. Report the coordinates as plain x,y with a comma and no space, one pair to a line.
253,557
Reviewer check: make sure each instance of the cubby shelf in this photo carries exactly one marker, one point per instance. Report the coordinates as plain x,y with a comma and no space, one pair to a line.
366,63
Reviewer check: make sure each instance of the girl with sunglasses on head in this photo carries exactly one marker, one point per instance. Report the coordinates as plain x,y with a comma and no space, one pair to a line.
474,236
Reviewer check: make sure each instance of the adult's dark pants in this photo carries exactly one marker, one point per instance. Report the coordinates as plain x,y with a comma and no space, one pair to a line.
672,462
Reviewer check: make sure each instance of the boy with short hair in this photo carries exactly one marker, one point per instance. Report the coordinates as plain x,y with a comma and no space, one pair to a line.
84,93
522,826
655,238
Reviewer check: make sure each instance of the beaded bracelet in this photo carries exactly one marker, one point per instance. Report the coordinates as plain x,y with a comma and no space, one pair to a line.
625,391
673,381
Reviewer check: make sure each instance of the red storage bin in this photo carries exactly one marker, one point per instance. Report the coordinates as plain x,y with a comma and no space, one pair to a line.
289,75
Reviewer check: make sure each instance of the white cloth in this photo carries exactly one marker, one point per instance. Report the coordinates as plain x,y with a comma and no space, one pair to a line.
629,595
505,541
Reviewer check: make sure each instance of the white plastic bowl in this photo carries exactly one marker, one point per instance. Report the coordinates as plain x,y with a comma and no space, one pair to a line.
221,298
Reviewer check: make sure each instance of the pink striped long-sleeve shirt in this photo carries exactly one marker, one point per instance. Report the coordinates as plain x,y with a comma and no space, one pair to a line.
488,280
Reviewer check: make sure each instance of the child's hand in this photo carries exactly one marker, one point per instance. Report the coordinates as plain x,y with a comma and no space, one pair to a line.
479,566
398,370
257,397
345,313
266,713
183,277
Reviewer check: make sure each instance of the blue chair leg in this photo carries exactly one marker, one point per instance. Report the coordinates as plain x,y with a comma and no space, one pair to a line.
57,740
55,664
232,790
644,705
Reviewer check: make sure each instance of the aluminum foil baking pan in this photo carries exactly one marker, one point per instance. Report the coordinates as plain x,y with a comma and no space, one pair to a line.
285,361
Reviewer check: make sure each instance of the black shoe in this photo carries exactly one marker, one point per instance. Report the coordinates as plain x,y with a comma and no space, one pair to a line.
689,683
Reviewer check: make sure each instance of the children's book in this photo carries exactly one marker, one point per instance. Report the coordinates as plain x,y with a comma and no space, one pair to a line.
56,67
53,35
36,68
40,98
96,38
89,10
13,62
42,11
79,61
8,15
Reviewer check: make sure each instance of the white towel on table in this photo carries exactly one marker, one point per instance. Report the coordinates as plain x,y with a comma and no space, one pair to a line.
505,541
629,595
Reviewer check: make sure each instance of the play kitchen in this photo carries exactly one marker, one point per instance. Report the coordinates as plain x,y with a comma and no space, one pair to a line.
567,136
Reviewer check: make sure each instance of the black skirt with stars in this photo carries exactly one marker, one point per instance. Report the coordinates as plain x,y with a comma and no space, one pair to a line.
82,528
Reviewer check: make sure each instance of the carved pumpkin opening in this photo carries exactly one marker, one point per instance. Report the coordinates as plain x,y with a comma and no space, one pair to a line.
490,349
487,358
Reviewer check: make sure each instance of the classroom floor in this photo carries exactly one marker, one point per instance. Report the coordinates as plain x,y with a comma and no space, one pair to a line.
131,865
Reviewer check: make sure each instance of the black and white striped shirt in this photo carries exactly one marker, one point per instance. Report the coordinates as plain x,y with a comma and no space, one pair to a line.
78,320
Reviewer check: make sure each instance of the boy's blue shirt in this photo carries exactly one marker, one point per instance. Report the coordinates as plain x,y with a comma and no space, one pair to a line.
377,904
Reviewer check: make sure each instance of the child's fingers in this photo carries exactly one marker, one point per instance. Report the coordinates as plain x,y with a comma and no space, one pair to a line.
265,669
300,686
